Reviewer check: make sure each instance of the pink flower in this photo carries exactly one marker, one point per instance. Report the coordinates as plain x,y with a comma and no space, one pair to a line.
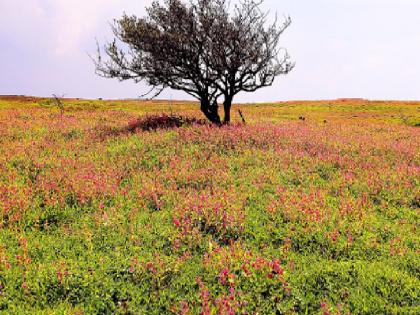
177,222
223,276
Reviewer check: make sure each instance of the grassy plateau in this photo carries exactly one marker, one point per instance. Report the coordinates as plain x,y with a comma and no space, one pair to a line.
309,208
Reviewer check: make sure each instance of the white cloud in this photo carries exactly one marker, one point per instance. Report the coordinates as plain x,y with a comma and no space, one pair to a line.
77,20
19,18
72,21
60,25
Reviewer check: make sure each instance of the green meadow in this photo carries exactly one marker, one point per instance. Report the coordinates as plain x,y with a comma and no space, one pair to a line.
308,208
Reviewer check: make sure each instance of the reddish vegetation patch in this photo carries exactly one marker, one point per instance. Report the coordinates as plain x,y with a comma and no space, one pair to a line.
163,121
278,215
20,98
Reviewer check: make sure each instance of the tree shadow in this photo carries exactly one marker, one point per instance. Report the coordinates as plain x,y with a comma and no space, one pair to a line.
149,123
163,121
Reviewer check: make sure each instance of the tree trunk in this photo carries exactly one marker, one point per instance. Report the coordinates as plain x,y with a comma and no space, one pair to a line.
210,111
227,106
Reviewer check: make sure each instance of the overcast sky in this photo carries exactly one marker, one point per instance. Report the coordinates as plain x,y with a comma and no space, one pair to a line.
342,48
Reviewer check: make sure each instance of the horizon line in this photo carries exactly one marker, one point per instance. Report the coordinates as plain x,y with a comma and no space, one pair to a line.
342,99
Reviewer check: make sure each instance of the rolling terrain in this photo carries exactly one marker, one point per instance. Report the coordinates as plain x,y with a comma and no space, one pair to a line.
311,207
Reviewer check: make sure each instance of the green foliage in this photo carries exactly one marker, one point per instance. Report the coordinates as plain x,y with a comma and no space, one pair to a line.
289,217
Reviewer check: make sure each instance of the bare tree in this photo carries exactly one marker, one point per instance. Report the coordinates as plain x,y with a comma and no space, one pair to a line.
59,103
199,47
56,100
250,57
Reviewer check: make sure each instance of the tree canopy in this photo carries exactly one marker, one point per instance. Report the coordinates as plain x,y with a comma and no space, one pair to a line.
205,48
